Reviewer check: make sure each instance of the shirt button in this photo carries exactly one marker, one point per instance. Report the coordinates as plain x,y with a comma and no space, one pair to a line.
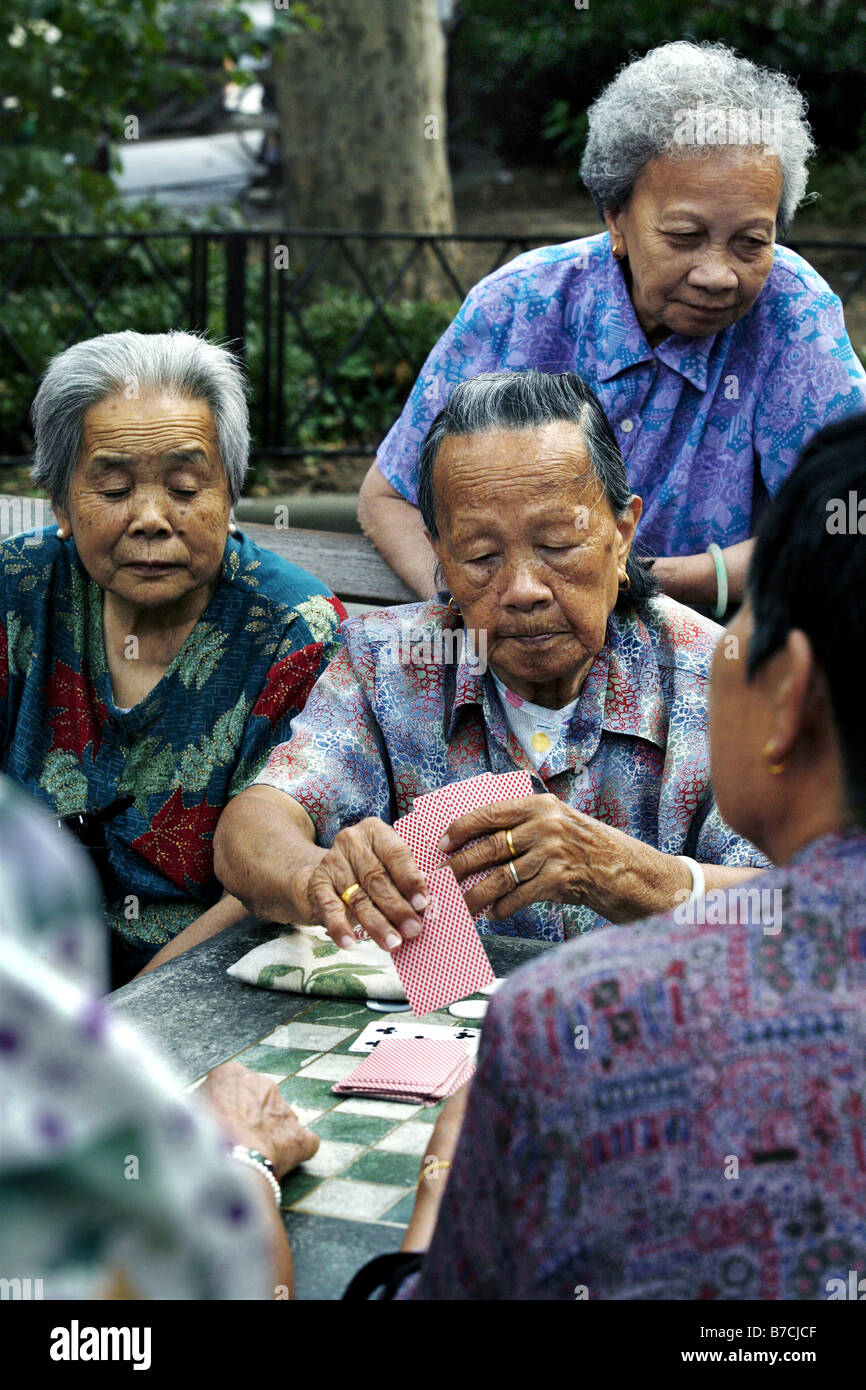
626,426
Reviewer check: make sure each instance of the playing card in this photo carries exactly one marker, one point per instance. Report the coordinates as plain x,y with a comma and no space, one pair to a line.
376,1033
511,786
447,961
424,850
506,786
438,809
411,1068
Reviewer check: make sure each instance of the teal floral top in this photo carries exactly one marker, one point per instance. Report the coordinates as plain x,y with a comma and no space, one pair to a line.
198,738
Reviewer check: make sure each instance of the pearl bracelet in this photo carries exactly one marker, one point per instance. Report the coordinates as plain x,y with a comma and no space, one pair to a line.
251,1158
699,883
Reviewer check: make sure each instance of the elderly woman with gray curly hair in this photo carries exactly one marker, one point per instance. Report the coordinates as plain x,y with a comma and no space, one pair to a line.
716,353
150,654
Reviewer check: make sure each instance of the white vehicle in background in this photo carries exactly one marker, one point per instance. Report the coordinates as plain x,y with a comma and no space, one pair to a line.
235,156
234,159
191,171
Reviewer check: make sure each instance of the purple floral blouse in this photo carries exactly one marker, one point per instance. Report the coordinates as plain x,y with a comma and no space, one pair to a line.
707,426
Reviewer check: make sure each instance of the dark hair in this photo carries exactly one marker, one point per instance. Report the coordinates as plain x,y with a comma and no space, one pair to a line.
526,400
808,571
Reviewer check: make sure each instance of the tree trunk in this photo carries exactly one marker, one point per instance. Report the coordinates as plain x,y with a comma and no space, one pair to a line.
362,109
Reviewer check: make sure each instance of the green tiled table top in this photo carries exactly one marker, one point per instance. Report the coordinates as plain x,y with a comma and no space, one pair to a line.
370,1154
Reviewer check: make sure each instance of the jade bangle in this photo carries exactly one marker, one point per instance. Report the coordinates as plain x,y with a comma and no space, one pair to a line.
721,569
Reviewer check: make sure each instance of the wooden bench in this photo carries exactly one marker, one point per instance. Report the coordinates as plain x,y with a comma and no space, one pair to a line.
348,564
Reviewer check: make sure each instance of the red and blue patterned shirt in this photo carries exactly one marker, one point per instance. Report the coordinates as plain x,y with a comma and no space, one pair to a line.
404,708
668,1111
197,739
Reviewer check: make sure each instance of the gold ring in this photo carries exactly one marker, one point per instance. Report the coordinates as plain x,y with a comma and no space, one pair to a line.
509,841
349,893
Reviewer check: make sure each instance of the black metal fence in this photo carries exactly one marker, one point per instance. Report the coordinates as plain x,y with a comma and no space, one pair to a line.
267,294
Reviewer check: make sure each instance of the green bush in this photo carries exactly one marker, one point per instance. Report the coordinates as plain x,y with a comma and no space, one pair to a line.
326,401
516,68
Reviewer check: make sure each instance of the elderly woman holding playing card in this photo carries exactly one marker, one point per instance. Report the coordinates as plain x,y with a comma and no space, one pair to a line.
567,666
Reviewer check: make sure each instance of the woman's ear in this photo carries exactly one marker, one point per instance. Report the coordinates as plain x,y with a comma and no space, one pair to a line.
626,526
435,545
796,686
613,222
439,572
64,522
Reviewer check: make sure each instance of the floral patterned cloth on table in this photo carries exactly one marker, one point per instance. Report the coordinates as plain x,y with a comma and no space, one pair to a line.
197,739
403,710
667,1111
707,426
113,1183
304,960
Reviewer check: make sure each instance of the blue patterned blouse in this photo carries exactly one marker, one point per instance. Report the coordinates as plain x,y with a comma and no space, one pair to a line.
707,426
402,711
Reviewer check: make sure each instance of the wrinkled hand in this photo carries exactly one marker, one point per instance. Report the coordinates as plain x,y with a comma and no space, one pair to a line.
562,856
393,890
253,1113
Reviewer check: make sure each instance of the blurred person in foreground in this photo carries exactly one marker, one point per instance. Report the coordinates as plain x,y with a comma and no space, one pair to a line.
113,1182
150,654
715,352
675,1110
547,650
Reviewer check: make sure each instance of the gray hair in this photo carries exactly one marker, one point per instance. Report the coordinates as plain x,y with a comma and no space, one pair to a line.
528,400
128,364
640,115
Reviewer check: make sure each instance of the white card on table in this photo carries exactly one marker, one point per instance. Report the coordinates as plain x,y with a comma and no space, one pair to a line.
378,1031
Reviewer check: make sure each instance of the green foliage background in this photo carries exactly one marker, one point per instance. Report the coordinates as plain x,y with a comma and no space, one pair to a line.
44,312
521,76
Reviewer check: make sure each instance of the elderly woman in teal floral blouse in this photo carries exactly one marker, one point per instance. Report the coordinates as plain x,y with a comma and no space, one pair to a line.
150,654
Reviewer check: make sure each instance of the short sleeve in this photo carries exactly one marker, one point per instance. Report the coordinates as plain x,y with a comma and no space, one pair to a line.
307,647
334,763
477,341
814,379
107,1171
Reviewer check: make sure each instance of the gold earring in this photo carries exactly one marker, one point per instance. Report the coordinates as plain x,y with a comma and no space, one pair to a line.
624,583
774,768
617,254
453,607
